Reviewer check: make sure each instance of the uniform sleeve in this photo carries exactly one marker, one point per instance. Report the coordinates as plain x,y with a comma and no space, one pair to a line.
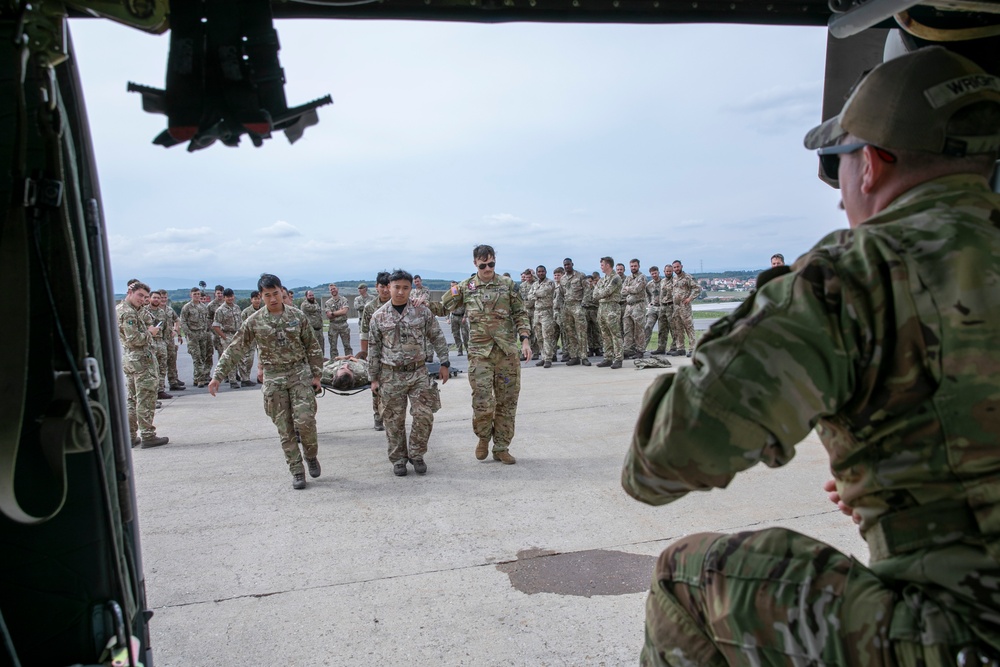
437,339
695,289
452,298
761,379
375,343
233,354
518,312
314,353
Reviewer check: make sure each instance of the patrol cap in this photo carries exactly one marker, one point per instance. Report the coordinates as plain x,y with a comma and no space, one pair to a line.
906,103
360,285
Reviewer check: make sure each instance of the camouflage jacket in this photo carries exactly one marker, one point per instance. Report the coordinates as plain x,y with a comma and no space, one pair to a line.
684,286
286,345
608,289
588,296
213,306
572,286
359,369
884,338
194,317
634,288
496,314
228,318
361,301
364,320
133,334
248,311
653,292
558,300
544,295
421,292
400,339
333,304
667,290
313,312
527,291
159,315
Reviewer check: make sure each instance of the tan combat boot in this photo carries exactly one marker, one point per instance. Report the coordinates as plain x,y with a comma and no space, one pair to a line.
482,449
504,457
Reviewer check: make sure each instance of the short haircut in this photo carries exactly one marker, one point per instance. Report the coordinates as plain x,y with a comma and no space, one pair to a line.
382,278
228,292
609,260
634,260
620,264
161,292
268,281
254,293
540,267
400,274
483,251
195,289
415,276
219,287
559,269
343,382
677,261
654,268
136,284
567,260
779,256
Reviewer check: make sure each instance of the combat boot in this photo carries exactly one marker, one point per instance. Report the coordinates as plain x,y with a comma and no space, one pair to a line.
313,464
482,449
658,351
540,363
676,353
136,440
146,443
178,387
399,468
573,362
247,383
616,364
379,426
419,466
604,364
298,480
504,457
234,385
548,364
585,361
689,353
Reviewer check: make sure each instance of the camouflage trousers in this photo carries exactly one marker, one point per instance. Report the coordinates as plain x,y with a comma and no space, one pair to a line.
652,315
217,346
246,363
234,375
396,389
496,385
593,328
574,328
663,327
544,326
559,340
460,332
318,333
633,321
160,348
141,390
199,346
290,402
609,317
343,333
172,377
681,324
777,597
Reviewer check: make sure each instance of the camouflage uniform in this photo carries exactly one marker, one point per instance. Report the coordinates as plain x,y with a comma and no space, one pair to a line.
397,356
664,321
142,373
607,292
544,323
459,329
228,319
496,318
527,289
291,358
314,314
339,328
364,322
216,345
881,336
574,319
634,317
652,309
246,363
684,286
590,312
361,301
159,315
359,370
173,380
425,294
557,307
195,323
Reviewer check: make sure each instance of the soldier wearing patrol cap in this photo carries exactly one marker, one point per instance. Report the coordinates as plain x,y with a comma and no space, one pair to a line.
883,337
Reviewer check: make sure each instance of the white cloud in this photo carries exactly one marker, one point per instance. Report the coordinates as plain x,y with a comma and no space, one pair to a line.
279,230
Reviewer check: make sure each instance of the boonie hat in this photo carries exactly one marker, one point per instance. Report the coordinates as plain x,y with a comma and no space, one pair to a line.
360,285
906,103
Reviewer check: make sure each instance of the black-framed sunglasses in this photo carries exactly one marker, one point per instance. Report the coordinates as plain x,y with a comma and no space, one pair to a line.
483,265
829,157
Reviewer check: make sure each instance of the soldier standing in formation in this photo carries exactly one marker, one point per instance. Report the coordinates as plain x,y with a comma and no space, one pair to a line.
653,286
173,326
292,365
664,321
527,288
590,312
161,319
684,290
313,310
336,311
225,325
216,345
136,331
398,336
544,323
885,334
557,308
364,323
246,364
497,319
607,293
195,323
634,318
362,299
459,326
574,319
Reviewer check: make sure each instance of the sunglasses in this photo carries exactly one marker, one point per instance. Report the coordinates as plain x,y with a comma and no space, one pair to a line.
483,265
829,157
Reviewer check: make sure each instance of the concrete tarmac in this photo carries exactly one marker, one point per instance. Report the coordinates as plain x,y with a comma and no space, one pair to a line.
475,563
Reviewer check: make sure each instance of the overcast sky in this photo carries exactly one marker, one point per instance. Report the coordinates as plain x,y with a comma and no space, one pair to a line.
545,141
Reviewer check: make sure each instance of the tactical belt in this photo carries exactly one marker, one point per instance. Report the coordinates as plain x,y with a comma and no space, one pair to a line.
922,527
406,368
284,368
